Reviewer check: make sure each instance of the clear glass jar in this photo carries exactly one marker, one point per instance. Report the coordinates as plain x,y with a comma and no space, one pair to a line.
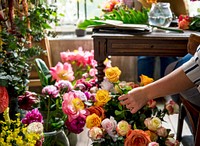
160,14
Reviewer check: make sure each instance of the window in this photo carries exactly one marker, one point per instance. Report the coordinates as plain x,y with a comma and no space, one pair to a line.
77,9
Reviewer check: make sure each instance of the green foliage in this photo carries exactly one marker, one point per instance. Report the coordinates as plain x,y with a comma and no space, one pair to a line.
41,17
15,62
16,53
43,72
51,107
195,24
127,16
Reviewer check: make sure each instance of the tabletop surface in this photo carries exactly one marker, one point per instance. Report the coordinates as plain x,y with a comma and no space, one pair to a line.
154,34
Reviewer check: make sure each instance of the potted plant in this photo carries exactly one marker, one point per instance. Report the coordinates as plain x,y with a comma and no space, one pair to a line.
20,24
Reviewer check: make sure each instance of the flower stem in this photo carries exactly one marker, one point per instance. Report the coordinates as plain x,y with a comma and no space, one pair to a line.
48,112
167,28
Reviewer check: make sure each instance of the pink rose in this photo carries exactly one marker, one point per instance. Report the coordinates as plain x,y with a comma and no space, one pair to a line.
71,108
51,90
153,144
95,133
162,132
106,85
109,125
171,142
172,107
151,103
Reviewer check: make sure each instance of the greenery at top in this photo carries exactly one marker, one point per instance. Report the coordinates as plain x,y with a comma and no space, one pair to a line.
127,16
195,24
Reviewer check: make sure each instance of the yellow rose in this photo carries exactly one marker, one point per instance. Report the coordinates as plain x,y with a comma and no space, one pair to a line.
123,127
78,104
113,74
93,121
145,80
102,97
154,124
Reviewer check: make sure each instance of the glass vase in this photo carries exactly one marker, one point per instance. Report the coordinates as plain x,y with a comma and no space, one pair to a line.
160,14
55,138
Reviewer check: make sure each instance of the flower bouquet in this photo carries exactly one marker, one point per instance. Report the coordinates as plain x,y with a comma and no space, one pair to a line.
72,100
65,92
28,131
111,124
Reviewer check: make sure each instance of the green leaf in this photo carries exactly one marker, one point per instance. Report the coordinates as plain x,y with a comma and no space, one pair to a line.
43,72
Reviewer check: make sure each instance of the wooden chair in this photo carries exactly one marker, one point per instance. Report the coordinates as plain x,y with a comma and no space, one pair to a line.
193,113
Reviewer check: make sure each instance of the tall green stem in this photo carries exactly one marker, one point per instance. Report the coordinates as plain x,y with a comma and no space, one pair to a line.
48,112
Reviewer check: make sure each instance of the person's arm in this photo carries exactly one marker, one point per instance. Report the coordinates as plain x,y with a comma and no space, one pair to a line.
174,82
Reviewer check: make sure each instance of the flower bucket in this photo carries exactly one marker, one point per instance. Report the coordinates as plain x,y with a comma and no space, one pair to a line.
55,138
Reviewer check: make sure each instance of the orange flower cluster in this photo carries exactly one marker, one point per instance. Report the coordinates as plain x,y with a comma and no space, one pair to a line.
183,22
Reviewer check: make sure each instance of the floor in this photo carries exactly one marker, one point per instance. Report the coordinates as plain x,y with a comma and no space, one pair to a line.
171,123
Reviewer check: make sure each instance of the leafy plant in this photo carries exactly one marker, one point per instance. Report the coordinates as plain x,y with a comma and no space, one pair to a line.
21,23
127,16
195,23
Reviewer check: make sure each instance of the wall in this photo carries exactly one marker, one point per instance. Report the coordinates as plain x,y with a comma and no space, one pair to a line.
126,64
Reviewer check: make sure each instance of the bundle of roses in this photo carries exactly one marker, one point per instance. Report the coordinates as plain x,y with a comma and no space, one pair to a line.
111,124
65,88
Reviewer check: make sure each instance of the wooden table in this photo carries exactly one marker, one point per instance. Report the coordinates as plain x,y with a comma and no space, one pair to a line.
156,43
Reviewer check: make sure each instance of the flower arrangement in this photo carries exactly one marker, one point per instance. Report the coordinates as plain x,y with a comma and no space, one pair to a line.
110,123
65,88
191,23
119,11
28,131
72,100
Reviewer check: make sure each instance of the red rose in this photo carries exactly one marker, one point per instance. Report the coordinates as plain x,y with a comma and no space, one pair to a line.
4,99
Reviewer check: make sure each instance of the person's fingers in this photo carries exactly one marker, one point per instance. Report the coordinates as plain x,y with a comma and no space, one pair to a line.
134,110
122,97
124,102
130,106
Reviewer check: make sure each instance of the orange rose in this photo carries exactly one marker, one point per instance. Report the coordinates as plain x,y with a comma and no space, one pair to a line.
98,111
151,1
4,99
145,80
137,138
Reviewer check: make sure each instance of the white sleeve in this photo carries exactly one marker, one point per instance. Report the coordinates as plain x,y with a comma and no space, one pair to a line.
192,68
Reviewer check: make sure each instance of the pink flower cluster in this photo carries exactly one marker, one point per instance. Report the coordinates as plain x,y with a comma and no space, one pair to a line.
32,116
82,58
76,64
172,107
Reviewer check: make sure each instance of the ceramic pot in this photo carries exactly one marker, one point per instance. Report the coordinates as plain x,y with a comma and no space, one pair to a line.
80,32
55,138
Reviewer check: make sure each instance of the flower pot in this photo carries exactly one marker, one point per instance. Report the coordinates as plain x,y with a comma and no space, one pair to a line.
72,138
80,32
55,138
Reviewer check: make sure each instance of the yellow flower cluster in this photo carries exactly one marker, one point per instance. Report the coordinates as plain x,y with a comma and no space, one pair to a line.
16,134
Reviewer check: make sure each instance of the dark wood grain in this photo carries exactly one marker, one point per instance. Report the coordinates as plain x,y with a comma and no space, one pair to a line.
157,43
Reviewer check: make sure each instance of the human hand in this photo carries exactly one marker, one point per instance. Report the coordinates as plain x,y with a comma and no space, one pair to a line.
134,100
